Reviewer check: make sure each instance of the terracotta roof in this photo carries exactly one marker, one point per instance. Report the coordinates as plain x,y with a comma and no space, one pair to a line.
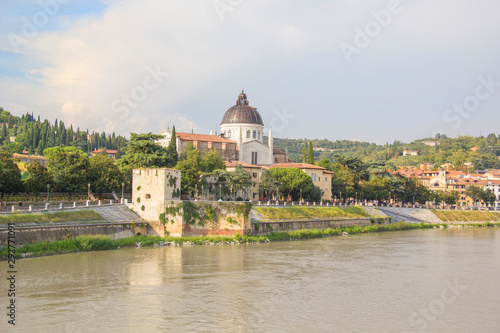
277,151
109,151
202,137
296,165
233,164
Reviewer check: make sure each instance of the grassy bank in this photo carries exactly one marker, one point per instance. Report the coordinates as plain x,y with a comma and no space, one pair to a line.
100,242
467,216
63,216
298,213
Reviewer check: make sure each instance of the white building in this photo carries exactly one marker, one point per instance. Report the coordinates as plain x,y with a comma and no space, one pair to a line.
243,124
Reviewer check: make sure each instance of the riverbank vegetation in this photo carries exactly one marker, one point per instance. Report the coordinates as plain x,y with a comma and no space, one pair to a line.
64,216
467,216
298,213
101,242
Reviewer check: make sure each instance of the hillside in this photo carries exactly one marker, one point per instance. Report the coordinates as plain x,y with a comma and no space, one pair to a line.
34,135
456,151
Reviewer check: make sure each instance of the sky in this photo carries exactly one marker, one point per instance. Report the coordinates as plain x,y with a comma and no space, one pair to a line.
364,70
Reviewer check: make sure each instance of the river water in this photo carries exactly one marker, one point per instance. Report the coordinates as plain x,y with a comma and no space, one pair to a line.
444,280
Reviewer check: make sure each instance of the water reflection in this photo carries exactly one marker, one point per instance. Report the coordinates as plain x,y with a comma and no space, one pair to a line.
372,282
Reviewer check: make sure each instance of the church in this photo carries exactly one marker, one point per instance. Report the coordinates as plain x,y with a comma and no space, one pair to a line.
241,137
241,141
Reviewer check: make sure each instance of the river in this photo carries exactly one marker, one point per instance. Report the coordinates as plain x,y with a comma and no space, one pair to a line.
445,280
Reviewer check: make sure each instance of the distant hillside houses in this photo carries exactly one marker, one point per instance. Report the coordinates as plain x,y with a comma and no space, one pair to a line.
410,152
452,180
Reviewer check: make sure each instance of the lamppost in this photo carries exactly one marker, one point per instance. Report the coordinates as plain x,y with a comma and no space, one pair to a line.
376,199
413,201
220,191
356,197
48,192
88,192
123,185
300,195
340,197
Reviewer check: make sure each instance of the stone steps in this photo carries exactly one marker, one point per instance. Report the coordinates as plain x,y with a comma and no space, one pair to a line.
374,212
118,213
411,214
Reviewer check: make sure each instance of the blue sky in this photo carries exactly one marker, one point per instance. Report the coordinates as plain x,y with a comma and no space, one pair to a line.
365,70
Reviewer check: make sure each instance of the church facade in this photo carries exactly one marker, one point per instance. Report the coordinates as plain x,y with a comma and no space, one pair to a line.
241,137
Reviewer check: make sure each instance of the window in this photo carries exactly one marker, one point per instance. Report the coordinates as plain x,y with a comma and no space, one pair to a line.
248,134
229,133
258,135
255,175
319,179
148,196
254,157
254,136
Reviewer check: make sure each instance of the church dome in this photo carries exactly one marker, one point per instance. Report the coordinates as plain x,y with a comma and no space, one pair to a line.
242,112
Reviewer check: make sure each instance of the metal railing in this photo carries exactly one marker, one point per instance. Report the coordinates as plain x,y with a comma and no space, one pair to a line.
58,207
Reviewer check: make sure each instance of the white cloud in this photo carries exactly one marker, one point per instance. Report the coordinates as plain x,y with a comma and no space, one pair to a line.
290,48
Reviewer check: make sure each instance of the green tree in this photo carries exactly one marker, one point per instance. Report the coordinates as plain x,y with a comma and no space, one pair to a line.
142,151
291,181
172,149
268,183
310,154
10,175
211,161
451,198
38,179
489,197
105,176
69,167
235,181
190,169
475,193
344,181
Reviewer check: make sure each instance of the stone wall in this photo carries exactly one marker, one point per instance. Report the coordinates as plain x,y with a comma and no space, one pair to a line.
58,232
265,228
191,218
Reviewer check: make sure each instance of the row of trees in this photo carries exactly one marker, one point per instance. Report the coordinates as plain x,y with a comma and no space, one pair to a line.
34,135
477,194
68,170
354,179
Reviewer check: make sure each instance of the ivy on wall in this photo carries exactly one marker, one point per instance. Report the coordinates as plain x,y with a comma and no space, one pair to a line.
202,213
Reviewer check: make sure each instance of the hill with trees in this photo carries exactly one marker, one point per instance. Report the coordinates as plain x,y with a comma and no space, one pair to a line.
36,135
456,151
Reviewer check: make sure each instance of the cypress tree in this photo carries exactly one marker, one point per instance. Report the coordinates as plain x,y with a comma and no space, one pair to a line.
310,154
172,149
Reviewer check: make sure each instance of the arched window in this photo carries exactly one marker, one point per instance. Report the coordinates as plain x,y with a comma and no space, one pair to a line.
254,136
258,135
248,134
229,133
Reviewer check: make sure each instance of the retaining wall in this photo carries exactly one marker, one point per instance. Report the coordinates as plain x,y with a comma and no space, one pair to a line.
265,228
57,232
